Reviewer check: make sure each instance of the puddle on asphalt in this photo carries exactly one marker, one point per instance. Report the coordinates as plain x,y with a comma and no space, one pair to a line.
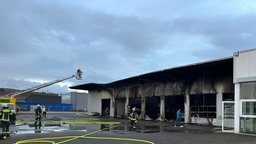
139,129
48,128
75,126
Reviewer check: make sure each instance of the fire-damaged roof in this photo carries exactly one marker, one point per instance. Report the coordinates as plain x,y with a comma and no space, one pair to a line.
224,65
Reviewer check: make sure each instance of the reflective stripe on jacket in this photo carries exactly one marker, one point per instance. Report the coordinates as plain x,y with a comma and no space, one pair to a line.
133,116
5,115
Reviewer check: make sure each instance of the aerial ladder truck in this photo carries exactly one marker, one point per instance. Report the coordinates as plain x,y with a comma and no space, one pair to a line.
10,99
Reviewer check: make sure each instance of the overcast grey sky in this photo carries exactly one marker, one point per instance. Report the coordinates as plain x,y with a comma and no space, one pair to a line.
44,40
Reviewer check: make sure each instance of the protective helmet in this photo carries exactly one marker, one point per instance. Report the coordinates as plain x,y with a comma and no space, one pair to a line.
38,105
5,105
133,109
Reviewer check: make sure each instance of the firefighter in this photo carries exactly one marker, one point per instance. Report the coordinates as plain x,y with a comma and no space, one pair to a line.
5,116
128,111
133,117
106,112
38,116
44,111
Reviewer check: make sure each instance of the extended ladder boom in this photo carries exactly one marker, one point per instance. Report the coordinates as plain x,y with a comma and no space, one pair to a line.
77,75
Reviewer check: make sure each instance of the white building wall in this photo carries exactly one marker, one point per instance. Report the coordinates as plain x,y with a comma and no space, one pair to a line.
244,71
245,66
95,99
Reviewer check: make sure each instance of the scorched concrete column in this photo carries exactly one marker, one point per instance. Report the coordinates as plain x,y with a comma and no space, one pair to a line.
143,106
162,108
126,105
113,104
187,107
219,107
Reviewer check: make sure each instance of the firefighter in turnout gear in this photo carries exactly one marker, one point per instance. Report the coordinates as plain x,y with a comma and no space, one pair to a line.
128,111
44,111
5,116
133,117
38,116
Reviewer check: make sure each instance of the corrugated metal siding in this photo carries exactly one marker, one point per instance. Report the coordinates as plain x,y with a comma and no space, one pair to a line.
45,99
79,101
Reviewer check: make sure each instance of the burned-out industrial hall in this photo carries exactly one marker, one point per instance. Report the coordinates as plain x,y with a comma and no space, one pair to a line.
219,92
197,89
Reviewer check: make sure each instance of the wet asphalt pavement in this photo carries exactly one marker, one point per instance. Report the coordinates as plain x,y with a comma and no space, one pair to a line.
152,132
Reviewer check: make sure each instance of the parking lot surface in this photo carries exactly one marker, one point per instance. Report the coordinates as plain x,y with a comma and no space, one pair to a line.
74,128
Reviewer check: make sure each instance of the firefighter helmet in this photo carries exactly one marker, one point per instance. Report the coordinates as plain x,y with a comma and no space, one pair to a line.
5,105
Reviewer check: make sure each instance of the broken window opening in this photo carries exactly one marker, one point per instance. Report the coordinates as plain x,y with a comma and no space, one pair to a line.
153,107
172,104
203,105
135,102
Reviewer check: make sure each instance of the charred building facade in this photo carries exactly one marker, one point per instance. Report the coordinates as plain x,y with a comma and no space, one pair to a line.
198,90
220,92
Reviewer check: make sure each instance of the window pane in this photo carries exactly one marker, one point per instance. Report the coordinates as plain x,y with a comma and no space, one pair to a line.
248,125
249,108
248,90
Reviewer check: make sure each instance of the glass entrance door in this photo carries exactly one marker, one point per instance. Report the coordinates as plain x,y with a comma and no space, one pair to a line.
228,116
